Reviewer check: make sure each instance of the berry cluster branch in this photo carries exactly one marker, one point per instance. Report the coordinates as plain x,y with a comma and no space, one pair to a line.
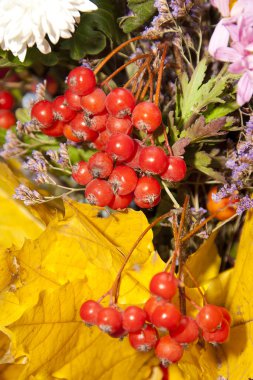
160,74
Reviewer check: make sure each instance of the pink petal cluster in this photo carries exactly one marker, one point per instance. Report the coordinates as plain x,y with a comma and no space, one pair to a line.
232,41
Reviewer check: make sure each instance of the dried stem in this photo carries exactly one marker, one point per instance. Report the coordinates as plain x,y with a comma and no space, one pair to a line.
187,270
160,74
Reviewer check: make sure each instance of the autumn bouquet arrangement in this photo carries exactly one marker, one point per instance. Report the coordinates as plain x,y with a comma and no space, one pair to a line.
126,144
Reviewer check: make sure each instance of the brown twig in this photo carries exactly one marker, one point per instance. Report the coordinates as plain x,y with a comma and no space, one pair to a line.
160,74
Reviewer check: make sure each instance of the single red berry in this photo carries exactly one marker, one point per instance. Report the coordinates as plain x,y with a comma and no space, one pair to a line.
81,81
120,201
123,180
147,117
99,192
220,335
209,318
98,122
117,125
73,100
52,85
120,334
100,165
176,169
69,134
145,339
133,318
89,312
101,142
147,190
168,350
81,174
6,100
56,130
226,314
109,320
186,332
94,103
164,284
133,162
120,147
149,204
166,317
153,160
151,304
61,110
81,128
42,112
7,119
120,102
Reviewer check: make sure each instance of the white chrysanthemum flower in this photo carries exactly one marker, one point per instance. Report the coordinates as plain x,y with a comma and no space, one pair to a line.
24,23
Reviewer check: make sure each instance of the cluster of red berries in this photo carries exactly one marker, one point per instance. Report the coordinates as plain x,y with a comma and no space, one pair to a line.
175,330
124,168
7,118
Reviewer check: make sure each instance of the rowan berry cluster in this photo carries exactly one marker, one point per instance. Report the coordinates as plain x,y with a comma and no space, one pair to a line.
124,168
159,325
7,118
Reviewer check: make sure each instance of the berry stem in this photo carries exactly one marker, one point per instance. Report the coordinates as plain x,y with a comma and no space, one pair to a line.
187,270
137,74
192,302
167,141
151,88
202,224
160,74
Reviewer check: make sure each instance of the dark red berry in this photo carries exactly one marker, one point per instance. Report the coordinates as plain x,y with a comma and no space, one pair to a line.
56,130
7,119
89,312
81,81
186,332
69,134
98,122
6,100
176,169
120,201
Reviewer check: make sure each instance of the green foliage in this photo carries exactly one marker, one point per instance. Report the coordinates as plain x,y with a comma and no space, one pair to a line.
33,56
142,11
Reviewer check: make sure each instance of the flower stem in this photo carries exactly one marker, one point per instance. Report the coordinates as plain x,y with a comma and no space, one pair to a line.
160,74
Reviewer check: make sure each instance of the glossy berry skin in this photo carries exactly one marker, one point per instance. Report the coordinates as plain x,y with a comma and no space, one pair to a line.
117,125
120,201
94,103
69,134
98,122
149,204
220,335
123,180
176,169
120,147
7,119
61,109
153,160
6,100
133,318
120,102
102,140
100,165
164,284
42,111
89,312
166,317
99,192
147,117
213,206
145,339
226,314
151,304
81,129
133,162
147,190
186,332
81,174
73,100
109,320
56,130
168,350
81,81
119,334
209,318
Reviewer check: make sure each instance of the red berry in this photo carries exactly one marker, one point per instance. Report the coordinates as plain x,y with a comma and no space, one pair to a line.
81,174
176,169
220,335
226,314
99,192
94,102
98,122
209,318
120,201
164,284
7,119
133,162
147,117
147,190
42,111
168,350
81,81
153,160
89,312
56,130
120,147
186,332
101,142
61,109
145,339
133,318
119,334
120,102
123,180
81,128
100,165
109,320
117,125
69,134
73,100
149,204
151,304
6,100
166,316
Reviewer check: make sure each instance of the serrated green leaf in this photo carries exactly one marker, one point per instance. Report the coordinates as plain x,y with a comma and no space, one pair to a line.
220,111
201,159
142,10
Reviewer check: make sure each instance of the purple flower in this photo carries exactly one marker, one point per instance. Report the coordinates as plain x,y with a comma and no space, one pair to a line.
244,204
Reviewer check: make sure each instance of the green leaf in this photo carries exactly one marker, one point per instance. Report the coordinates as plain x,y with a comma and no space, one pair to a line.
23,115
33,56
2,136
142,11
220,111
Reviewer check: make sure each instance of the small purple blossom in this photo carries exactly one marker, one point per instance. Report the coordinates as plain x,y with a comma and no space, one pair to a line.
28,196
244,204
37,163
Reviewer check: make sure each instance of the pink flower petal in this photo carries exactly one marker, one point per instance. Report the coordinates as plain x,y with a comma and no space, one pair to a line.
237,67
227,54
223,6
245,88
220,38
